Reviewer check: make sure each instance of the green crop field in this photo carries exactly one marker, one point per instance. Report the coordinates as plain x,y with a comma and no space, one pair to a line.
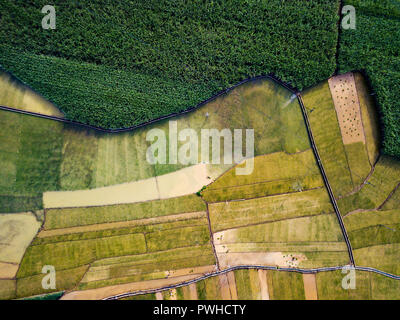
118,254
146,60
225,215
373,47
275,173
369,286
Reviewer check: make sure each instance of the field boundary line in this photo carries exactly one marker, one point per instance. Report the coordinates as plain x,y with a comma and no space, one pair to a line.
325,178
212,238
298,270
278,220
266,196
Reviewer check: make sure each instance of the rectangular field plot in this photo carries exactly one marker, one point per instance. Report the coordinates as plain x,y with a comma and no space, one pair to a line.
226,215
274,173
72,217
383,257
307,242
152,241
369,286
325,128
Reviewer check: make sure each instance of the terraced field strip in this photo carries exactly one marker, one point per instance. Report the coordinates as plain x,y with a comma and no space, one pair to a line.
232,214
122,224
76,217
347,106
328,187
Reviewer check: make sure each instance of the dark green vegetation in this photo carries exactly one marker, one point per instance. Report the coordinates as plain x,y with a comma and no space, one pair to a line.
117,64
374,47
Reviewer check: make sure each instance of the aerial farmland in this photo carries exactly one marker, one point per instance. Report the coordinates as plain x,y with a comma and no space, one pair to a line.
172,164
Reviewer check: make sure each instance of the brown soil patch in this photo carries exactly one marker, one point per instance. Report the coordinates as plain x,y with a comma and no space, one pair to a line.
310,286
262,276
193,291
224,287
232,285
123,224
347,105
8,270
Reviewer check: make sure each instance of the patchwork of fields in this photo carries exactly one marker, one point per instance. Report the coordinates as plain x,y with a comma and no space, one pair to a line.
41,155
113,223
277,285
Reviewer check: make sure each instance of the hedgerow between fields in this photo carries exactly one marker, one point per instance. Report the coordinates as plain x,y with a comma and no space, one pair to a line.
118,64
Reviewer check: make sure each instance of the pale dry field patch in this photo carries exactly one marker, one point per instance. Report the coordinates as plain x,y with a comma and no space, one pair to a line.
179,183
262,276
310,286
18,96
8,270
347,105
224,287
16,233
279,259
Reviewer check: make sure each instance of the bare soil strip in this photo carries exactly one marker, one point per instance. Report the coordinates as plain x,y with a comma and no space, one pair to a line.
224,287
310,286
179,183
347,105
193,291
232,285
8,270
123,224
262,276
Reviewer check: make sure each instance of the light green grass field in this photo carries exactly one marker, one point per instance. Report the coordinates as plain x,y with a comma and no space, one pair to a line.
358,160
377,189
7,289
247,284
315,228
64,218
369,286
65,280
285,285
225,215
324,125
273,174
